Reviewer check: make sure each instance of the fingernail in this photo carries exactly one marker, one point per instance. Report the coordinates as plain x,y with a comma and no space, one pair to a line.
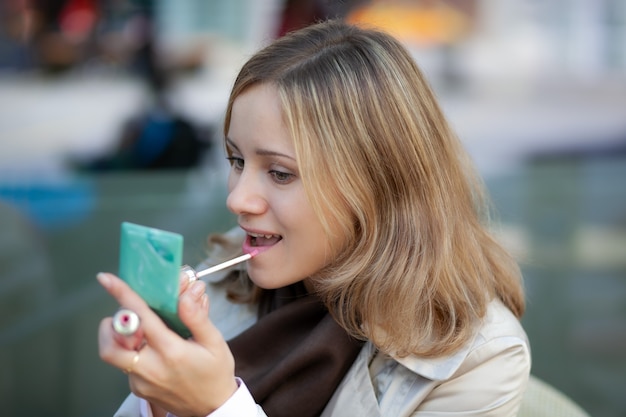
197,289
205,302
103,279
190,304
182,279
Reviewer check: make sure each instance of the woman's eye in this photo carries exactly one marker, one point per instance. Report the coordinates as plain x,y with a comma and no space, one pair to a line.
235,162
282,177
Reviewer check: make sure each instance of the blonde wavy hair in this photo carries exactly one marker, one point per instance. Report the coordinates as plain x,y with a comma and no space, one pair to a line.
376,155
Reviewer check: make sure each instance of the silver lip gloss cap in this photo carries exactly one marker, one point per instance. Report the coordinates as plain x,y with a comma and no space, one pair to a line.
189,272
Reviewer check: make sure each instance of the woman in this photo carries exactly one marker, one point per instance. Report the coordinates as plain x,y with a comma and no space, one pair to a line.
377,290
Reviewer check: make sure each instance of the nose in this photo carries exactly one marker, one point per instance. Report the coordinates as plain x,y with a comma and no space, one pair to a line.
245,195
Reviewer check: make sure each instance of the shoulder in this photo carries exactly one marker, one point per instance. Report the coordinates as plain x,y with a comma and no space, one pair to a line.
488,376
499,333
500,343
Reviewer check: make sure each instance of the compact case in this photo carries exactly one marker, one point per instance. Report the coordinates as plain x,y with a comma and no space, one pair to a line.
150,262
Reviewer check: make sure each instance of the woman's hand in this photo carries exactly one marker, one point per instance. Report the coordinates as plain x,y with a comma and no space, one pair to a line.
185,377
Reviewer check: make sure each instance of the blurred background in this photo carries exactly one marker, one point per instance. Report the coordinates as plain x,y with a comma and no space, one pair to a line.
110,111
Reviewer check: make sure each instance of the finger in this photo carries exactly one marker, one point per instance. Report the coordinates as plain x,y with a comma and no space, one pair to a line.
193,302
111,352
154,330
185,278
193,310
122,292
130,342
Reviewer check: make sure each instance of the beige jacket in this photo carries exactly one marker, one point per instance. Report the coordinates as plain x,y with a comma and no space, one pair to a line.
486,378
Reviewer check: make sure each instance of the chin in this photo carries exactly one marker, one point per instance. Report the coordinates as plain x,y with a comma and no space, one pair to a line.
262,280
267,280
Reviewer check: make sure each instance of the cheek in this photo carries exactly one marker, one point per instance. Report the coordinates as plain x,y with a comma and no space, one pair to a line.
311,241
317,244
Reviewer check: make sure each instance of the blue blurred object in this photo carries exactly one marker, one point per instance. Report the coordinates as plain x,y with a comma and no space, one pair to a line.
51,204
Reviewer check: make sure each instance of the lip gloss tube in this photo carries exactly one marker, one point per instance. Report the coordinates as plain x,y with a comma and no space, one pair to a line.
127,329
125,322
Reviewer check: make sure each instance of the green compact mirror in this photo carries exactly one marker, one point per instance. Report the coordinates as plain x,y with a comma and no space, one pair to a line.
150,262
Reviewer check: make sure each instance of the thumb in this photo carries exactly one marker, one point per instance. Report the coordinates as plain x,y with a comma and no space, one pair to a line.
193,310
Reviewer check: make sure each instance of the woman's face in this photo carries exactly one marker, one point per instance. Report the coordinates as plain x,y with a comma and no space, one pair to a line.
267,195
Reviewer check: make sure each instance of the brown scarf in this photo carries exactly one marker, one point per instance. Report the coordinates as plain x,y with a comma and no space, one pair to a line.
295,356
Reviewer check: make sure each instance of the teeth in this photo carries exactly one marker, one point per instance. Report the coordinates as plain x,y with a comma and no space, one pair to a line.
262,235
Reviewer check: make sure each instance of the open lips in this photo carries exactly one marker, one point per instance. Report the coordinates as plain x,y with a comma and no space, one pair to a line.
257,239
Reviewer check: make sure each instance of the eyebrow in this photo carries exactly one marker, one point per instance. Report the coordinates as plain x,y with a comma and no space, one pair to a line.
260,151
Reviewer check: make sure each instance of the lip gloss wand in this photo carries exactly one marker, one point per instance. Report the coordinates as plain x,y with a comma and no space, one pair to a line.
194,275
